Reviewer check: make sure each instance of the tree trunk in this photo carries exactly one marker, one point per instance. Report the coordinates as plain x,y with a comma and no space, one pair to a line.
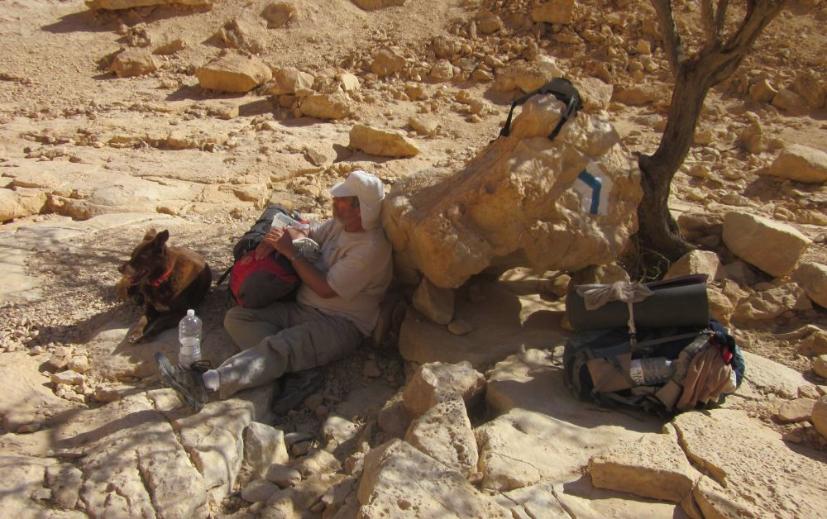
658,231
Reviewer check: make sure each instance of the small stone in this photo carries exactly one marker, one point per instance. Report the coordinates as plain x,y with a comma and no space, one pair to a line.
794,411
282,475
819,417
424,126
386,62
812,277
68,377
106,394
79,363
279,14
460,327
820,366
300,448
134,62
317,462
314,401
258,491
437,304
371,369
338,430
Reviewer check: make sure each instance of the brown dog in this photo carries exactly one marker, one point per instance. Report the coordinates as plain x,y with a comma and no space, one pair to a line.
166,280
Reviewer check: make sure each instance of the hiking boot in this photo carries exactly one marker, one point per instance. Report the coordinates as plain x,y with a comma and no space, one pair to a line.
186,382
295,387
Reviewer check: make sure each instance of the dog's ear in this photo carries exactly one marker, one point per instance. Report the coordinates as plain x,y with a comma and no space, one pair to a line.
160,239
150,234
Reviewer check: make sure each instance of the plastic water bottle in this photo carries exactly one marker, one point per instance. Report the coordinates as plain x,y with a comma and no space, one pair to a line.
189,335
652,371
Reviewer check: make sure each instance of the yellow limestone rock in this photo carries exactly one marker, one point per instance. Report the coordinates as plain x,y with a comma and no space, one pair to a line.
520,197
233,73
654,466
773,247
384,143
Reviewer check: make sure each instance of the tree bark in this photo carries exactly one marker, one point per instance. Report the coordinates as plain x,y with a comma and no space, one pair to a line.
657,229
715,62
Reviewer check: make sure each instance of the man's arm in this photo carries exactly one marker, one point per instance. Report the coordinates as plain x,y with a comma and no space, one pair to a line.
282,242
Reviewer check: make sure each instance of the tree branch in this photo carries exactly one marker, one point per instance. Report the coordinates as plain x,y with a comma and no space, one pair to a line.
708,23
720,15
669,32
759,14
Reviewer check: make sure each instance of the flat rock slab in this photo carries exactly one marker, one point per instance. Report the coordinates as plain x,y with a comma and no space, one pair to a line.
765,376
23,479
583,501
653,467
400,481
544,434
501,323
26,401
750,468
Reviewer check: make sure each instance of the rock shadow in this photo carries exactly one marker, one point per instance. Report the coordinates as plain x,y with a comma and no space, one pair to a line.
92,20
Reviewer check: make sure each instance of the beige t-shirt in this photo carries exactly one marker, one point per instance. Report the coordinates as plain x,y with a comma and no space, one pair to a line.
358,268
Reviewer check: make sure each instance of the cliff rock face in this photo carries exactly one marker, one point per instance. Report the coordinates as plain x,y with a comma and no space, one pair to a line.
523,195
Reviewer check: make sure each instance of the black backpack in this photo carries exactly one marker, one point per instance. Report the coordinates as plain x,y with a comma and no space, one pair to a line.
563,90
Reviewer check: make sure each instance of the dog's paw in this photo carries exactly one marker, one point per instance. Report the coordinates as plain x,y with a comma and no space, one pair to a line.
136,334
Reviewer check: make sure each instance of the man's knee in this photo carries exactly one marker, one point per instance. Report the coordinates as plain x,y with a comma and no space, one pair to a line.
235,317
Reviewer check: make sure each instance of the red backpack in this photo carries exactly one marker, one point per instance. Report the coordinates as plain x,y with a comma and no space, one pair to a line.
255,283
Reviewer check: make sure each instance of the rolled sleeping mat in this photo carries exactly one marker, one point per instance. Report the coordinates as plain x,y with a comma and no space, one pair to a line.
676,302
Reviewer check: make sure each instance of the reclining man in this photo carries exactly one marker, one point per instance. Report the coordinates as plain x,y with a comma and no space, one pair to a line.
336,306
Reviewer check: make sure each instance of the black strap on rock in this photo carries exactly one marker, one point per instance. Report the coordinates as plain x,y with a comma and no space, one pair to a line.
563,90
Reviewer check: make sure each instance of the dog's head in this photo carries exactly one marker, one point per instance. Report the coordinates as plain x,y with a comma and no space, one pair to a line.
148,259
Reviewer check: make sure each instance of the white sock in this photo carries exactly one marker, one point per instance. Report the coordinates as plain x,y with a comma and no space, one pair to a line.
211,379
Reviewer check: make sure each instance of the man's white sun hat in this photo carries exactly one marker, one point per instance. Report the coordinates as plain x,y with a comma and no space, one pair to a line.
370,192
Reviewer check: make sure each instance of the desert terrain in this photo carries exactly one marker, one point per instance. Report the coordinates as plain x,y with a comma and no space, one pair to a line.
193,116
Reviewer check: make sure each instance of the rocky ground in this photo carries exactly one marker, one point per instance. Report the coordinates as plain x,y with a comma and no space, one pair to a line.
194,115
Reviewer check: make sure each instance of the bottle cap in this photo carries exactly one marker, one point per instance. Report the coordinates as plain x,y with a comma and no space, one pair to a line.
190,312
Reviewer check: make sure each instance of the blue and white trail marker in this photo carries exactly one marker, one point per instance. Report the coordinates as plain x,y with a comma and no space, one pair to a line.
593,187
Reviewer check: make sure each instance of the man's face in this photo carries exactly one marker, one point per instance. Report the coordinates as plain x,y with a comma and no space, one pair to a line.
346,208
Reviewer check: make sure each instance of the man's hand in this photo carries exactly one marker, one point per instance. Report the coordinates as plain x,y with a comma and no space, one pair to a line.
280,241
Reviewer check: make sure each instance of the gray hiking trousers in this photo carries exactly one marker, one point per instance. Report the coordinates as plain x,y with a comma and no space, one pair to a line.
281,338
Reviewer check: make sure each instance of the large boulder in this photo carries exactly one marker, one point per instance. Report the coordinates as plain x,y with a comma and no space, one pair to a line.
800,163
400,481
812,277
520,196
233,73
771,246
